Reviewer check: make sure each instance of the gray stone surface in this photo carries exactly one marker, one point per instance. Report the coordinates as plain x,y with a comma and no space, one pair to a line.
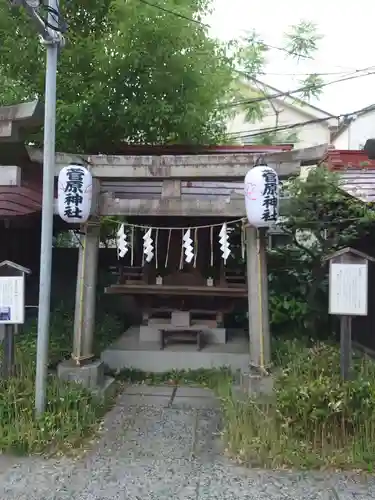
128,352
91,375
164,451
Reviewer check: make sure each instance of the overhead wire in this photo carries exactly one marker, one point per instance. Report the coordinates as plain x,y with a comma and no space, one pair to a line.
206,25
327,73
276,95
267,45
295,91
174,13
280,128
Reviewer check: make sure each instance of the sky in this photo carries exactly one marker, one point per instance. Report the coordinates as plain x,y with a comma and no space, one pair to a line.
348,44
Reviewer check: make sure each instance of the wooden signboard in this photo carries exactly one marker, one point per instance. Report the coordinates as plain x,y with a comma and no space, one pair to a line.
348,288
12,300
12,309
348,296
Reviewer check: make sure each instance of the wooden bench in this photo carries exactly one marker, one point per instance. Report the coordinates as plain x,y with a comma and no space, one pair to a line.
183,335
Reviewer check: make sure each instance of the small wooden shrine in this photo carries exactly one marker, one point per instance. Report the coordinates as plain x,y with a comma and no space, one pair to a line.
187,277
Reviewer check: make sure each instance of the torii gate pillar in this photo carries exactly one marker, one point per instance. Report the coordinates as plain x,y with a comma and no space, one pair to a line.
82,367
258,380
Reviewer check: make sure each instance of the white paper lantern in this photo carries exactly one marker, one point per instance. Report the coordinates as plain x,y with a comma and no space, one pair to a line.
74,194
262,196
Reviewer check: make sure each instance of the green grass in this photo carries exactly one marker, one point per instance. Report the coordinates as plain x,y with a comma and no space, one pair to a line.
72,413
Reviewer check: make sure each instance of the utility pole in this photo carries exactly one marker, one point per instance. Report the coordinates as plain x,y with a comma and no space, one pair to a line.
52,47
50,32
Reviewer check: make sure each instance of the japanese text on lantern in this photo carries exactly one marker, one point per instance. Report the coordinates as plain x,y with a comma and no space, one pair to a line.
74,193
270,196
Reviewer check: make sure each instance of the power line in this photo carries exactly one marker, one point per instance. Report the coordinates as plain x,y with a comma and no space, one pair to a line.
295,91
281,94
327,73
280,128
265,130
283,49
342,73
174,13
205,25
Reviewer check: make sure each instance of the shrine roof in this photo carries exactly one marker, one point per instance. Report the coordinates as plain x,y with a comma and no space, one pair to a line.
357,172
186,149
339,159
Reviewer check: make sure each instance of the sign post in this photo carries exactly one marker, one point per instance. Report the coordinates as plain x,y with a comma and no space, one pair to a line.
348,296
12,309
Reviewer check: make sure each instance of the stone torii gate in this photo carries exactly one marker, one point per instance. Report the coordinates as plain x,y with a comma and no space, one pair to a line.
15,120
116,175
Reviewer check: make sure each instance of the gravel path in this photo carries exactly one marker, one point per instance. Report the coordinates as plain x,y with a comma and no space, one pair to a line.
158,447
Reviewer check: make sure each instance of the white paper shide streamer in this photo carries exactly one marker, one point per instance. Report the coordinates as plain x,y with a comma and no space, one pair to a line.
188,247
224,242
122,242
148,247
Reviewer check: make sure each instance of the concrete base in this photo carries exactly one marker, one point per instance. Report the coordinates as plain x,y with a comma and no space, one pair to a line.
256,385
90,376
151,332
129,352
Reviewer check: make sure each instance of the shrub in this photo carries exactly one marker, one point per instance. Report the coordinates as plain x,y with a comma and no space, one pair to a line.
315,419
71,412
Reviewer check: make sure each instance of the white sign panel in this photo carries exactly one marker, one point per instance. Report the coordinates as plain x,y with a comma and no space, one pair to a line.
12,300
348,289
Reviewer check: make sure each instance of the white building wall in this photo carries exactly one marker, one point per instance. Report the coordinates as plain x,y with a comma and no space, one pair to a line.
308,135
355,136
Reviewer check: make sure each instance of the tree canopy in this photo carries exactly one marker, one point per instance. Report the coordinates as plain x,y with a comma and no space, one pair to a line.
135,71
128,72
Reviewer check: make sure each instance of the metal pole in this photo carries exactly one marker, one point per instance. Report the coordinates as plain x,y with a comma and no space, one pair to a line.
8,351
345,346
52,48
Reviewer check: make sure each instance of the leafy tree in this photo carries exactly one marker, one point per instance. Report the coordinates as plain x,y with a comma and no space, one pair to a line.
322,218
132,71
129,72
